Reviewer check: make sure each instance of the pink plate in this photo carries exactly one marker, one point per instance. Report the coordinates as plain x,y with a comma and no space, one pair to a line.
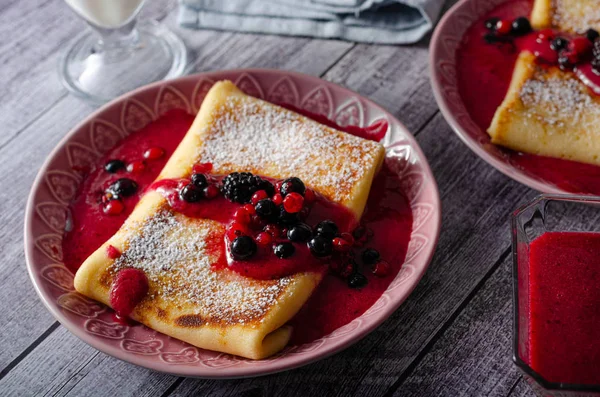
444,44
57,183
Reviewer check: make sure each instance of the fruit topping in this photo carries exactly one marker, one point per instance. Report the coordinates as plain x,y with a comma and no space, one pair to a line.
357,280
580,46
123,187
381,269
264,238
284,250
241,215
114,207
592,35
293,202
520,26
277,199
286,218
273,230
191,193
112,252
154,153
240,186
320,246
503,27
347,268
136,167
545,35
128,289
114,166
559,43
266,209
341,245
202,168
243,247
292,185
199,180
250,209
327,229
370,256
490,24
211,191
309,196
260,195
299,233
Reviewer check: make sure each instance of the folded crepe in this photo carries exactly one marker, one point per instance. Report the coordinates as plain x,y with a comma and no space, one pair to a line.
219,309
571,16
548,112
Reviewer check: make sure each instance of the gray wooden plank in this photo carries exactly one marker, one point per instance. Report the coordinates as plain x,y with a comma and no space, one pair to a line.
474,356
39,30
25,317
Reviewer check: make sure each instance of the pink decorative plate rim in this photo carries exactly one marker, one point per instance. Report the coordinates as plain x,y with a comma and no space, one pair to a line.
91,322
442,60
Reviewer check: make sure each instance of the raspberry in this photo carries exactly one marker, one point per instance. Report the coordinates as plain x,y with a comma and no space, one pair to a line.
129,288
154,153
293,203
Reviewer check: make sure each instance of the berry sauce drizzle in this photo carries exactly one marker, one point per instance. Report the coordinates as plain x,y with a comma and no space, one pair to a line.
387,224
484,72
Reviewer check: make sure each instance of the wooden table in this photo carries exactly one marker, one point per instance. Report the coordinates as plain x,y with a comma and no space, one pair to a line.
452,336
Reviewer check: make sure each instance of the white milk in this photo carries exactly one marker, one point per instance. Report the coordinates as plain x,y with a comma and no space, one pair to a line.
105,13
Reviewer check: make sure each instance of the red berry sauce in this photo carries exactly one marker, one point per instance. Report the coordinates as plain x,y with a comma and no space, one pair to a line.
386,225
129,288
484,72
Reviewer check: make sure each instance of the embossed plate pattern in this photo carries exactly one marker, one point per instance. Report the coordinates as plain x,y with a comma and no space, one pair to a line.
58,180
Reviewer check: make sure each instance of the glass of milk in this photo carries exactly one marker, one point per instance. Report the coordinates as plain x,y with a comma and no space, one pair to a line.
118,53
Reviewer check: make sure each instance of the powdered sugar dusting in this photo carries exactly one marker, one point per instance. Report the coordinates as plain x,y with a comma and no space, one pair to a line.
560,99
173,252
576,15
255,136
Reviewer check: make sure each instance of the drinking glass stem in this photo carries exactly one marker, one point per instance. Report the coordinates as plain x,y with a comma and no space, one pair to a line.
116,43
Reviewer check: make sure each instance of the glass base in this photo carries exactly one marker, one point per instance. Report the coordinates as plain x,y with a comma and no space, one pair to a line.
98,75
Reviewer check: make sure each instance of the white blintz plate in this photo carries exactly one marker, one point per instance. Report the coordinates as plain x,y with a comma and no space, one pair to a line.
57,183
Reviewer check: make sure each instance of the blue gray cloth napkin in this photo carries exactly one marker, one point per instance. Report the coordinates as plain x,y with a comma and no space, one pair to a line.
367,21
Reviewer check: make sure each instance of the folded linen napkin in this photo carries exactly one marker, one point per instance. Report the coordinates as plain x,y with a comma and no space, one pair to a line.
367,21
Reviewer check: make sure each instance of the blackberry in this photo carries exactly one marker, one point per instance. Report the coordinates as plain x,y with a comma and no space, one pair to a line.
596,50
239,187
284,250
123,187
520,26
292,185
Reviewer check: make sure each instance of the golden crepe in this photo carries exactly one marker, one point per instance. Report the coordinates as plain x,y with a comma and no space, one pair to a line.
572,16
548,112
222,310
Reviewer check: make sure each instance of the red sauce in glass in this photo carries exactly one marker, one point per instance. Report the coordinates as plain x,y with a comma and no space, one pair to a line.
484,72
332,305
564,279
